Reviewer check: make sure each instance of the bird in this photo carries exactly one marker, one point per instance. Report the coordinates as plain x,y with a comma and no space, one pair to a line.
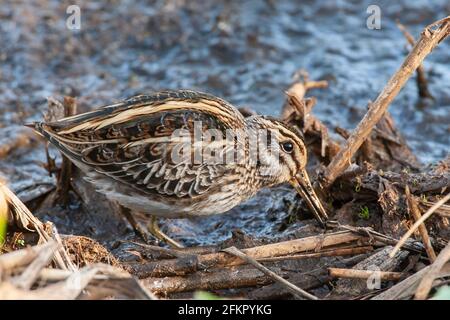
181,154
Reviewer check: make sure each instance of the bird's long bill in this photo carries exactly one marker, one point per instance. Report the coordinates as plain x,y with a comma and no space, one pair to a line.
303,186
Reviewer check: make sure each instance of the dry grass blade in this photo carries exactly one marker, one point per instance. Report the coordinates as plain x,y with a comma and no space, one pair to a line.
103,281
418,223
26,220
427,281
23,217
31,273
70,288
108,281
291,287
16,259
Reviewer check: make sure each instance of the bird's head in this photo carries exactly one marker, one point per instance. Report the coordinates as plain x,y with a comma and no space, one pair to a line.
282,157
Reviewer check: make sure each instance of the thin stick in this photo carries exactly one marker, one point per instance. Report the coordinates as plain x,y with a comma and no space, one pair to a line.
364,274
402,289
418,223
427,281
214,280
291,287
415,212
427,42
191,264
379,237
326,253
70,109
422,83
30,274
17,259
443,211
298,109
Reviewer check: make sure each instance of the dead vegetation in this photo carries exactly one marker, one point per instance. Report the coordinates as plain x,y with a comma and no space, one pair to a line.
389,236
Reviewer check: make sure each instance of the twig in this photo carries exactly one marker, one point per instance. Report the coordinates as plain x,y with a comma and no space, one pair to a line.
425,182
325,253
296,291
402,289
443,211
94,281
30,274
422,83
301,86
379,261
17,259
191,264
63,186
380,237
219,279
418,223
297,111
306,280
427,42
364,274
406,288
162,252
427,281
414,210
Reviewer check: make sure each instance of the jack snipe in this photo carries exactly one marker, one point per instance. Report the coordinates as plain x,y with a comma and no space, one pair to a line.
179,154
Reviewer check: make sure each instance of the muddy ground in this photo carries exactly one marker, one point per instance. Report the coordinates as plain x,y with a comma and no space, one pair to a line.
245,53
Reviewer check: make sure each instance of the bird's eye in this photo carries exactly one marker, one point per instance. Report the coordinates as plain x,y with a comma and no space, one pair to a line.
287,146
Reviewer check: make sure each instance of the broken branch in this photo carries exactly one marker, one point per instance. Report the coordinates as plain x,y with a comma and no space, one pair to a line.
291,287
422,83
427,281
192,263
364,274
63,186
414,210
429,39
418,223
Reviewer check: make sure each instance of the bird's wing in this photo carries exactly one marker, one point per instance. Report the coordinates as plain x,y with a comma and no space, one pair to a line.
146,141
140,105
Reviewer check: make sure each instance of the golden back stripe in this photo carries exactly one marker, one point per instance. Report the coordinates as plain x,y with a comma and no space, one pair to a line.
215,109
74,117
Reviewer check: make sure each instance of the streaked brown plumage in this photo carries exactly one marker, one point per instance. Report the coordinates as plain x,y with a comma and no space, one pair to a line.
127,151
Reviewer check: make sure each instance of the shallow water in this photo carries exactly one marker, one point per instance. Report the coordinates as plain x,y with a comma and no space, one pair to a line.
245,53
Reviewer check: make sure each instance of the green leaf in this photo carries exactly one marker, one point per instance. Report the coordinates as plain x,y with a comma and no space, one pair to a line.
3,218
203,295
3,224
364,213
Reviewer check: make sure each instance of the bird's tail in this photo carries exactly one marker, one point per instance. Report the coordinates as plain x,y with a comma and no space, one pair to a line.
38,127
50,135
